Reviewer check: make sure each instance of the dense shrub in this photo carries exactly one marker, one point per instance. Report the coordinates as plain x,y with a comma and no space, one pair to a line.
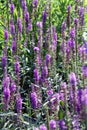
43,65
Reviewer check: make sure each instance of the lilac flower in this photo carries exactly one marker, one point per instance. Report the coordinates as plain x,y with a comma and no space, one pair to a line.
52,125
43,127
6,35
34,100
19,104
35,3
4,62
72,79
12,8
13,47
17,67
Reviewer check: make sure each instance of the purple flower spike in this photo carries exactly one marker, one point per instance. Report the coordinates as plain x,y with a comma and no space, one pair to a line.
17,67
52,125
44,73
48,59
36,49
75,122
24,5
19,104
34,100
19,23
4,62
13,87
6,97
72,79
63,27
81,15
13,47
76,21
35,3
43,127
50,92
30,26
39,25
26,17
61,124
84,71
84,98
69,8
71,43
36,75
7,94
12,29
81,11
6,82
72,33
44,16
12,8
63,85
6,35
